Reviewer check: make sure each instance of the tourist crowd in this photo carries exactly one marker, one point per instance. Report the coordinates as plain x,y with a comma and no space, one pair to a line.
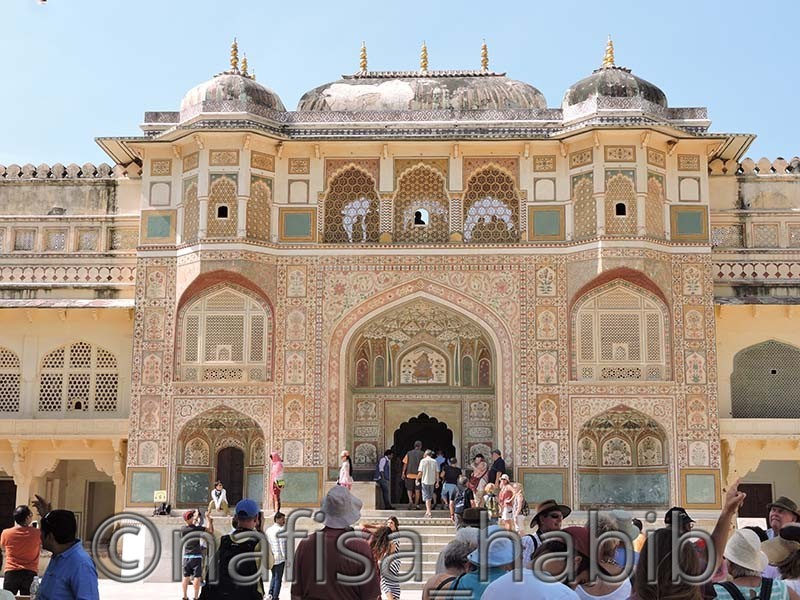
500,548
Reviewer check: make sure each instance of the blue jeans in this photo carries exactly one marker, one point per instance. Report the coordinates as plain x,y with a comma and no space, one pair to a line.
275,581
387,501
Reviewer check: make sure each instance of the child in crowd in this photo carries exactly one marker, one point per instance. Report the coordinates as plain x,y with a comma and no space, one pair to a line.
491,503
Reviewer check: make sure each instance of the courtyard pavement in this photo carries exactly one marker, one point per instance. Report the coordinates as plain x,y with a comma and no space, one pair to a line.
111,590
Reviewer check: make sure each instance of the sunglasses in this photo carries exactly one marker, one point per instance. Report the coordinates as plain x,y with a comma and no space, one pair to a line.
555,515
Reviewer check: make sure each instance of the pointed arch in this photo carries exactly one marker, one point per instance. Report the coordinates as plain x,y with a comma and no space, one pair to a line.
764,381
225,333
351,207
222,194
258,209
623,460
421,188
347,328
620,329
191,211
491,206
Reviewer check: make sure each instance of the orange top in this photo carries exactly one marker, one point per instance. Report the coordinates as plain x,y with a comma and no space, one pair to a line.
21,546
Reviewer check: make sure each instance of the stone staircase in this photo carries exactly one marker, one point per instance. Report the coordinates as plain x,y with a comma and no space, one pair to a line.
434,532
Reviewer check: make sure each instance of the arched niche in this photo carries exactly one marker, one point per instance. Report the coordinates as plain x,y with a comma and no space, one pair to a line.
764,382
223,444
623,461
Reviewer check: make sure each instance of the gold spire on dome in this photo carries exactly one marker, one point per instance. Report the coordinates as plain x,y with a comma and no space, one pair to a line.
244,66
423,58
608,59
362,62
235,56
484,57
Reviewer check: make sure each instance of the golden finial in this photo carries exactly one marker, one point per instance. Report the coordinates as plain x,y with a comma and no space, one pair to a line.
608,59
235,56
363,58
484,57
244,66
253,75
423,58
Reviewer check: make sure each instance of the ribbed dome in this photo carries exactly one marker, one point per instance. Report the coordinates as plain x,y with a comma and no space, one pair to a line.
423,90
229,92
613,82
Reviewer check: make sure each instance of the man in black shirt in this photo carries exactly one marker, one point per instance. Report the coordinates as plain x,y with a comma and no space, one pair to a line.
497,469
463,499
193,551
450,473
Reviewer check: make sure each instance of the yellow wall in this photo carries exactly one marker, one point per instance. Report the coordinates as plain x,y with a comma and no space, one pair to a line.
33,333
741,326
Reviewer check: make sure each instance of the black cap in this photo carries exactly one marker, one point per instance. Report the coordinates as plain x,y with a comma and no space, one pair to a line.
682,514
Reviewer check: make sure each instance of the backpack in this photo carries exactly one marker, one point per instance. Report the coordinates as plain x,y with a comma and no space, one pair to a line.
736,593
226,588
458,505
524,510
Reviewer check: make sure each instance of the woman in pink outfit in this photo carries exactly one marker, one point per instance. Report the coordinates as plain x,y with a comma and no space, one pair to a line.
346,471
276,481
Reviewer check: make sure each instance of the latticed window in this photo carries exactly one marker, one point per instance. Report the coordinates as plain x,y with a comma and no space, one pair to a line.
654,206
226,335
620,205
78,378
191,211
619,333
258,209
491,208
351,209
421,207
10,376
222,223
585,206
764,382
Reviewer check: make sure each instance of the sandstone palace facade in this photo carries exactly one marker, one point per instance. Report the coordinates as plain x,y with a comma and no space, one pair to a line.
605,290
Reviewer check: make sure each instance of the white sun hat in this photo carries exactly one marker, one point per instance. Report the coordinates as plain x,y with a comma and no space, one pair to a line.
744,549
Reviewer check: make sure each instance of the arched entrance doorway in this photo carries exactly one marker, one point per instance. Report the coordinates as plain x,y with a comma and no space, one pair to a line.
230,470
420,357
434,435
220,444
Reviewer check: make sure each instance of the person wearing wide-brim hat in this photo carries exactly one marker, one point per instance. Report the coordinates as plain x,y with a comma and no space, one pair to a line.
498,557
341,511
548,517
745,563
781,512
783,553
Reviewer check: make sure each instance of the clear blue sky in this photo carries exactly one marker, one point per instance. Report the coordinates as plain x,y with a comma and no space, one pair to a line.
76,69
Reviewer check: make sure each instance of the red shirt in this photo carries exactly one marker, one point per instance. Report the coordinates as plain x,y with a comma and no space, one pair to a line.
21,546
330,588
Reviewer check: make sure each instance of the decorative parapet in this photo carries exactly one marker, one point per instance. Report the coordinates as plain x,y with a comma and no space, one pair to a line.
58,171
749,167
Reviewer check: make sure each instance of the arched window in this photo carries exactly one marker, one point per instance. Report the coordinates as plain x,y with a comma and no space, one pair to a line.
466,371
421,206
380,372
351,209
491,208
79,378
620,203
764,382
10,375
226,335
619,332
222,207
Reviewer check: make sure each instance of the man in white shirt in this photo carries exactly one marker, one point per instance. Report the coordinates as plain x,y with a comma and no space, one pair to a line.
277,545
428,474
